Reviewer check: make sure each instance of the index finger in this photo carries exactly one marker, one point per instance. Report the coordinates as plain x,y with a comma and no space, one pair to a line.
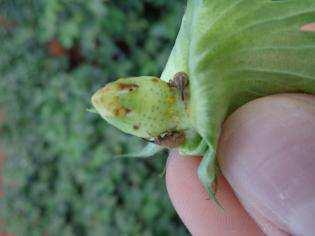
200,215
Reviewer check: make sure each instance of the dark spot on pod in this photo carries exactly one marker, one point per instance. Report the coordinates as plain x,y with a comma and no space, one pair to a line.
124,86
121,111
155,80
180,82
171,139
117,112
181,76
136,127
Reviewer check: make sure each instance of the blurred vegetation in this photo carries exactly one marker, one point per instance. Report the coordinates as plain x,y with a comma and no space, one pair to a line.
60,175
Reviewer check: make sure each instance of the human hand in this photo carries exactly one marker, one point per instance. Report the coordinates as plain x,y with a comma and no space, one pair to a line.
267,154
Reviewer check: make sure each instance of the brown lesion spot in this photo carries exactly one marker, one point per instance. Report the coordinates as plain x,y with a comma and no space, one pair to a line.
308,27
171,139
136,127
125,86
170,100
121,111
180,81
155,80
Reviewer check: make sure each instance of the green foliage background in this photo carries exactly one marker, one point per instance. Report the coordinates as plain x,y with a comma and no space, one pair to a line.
60,176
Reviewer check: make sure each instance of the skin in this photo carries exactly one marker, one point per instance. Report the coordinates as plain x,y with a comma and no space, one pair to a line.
265,147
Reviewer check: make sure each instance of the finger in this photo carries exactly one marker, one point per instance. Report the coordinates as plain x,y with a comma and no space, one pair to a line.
198,213
308,27
267,153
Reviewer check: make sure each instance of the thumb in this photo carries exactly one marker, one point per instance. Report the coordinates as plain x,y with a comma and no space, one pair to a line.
267,154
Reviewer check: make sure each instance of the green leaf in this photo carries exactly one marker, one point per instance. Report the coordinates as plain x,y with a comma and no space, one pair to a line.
207,173
92,110
236,51
241,50
148,151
